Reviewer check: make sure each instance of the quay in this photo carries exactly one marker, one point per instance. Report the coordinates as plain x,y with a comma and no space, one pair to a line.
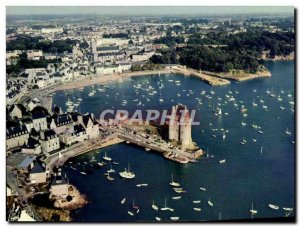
58,159
210,79
117,136
161,147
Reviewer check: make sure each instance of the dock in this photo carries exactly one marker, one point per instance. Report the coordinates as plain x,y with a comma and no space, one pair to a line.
210,79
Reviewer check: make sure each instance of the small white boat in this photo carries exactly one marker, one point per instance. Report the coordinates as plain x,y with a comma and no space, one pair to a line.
158,218
139,185
111,170
130,213
202,189
274,207
109,177
123,200
173,183
174,218
165,207
154,207
176,197
197,201
209,202
147,149
197,209
105,157
287,132
252,211
222,161
288,209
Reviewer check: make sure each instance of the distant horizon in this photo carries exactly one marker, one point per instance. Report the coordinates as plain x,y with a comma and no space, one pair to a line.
148,10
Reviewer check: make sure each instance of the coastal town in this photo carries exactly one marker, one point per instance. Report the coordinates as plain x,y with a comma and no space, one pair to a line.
45,58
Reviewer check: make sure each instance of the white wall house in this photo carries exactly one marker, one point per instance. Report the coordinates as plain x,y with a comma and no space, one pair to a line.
49,141
16,137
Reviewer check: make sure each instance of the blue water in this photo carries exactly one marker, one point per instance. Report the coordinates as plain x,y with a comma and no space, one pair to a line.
247,176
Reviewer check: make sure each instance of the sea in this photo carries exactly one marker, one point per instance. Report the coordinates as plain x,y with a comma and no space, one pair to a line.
260,172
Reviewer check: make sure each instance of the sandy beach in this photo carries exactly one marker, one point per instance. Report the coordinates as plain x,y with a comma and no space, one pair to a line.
102,79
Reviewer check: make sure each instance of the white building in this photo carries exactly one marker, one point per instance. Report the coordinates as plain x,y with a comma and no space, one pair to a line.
16,137
31,146
52,30
34,54
49,141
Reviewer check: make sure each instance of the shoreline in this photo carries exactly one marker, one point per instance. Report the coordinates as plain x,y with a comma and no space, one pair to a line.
102,79
212,78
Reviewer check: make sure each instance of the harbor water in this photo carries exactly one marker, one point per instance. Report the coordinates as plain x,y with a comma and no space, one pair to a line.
261,171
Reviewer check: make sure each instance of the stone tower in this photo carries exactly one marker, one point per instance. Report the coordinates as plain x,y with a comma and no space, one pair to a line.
180,128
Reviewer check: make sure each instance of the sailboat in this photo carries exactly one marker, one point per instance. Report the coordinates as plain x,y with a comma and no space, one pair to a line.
154,207
109,177
175,184
135,206
83,170
220,216
261,150
105,157
252,211
111,170
165,207
254,103
127,174
224,136
287,132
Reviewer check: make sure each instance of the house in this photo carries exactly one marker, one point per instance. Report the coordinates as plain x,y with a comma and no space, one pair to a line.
90,125
32,146
68,137
33,103
60,122
39,120
16,137
28,123
59,186
73,134
17,111
34,54
51,30
38,173
49,141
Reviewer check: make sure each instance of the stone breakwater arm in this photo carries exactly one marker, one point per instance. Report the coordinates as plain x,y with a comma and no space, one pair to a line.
212,80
